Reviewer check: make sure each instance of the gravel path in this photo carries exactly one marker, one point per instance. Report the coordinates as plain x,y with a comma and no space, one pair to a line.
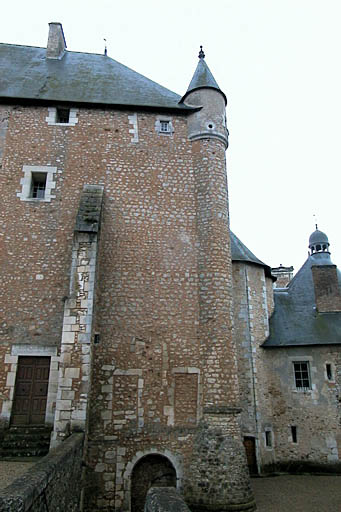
298,493
10,470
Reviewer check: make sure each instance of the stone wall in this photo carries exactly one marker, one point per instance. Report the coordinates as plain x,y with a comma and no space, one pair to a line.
53,483
314,412
253,304
164,499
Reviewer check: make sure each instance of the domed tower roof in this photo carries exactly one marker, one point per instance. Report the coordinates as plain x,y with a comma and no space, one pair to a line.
318,242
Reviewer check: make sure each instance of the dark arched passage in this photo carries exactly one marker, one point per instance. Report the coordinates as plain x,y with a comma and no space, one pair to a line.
150,471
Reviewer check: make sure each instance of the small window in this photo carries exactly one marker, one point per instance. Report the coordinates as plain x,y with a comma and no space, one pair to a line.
38,185
302,375
62,115
294,434
268,438
329,371
164,127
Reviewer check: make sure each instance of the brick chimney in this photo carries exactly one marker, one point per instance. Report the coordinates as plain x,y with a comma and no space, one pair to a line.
56,43
326,287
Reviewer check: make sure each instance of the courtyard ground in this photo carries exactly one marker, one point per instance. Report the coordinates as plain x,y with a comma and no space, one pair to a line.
298,493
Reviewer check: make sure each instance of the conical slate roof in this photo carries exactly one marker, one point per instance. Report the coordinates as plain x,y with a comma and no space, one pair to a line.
240,252
26,73
202,78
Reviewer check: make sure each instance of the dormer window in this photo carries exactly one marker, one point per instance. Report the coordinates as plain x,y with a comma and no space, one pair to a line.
62,115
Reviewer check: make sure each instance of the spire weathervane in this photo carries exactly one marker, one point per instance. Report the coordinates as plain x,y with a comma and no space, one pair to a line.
201,53
315,219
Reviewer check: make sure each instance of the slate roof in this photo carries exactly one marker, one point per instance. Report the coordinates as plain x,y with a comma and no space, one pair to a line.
240,252
26,73
295,321
202,79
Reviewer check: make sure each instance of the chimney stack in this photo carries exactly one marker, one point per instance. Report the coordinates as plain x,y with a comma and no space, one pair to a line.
56,43
326,287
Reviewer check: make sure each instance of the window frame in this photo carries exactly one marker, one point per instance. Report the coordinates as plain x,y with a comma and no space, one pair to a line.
302,378
27,181
52,118
162,121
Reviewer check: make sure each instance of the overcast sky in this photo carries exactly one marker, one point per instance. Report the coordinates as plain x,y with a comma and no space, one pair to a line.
278,62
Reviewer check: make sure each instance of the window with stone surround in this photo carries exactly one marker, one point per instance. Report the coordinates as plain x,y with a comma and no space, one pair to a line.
164,126
38,183
302,375
62,116
268,438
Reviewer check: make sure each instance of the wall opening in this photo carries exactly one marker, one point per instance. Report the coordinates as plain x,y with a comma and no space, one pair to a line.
150,471
294,434
250,450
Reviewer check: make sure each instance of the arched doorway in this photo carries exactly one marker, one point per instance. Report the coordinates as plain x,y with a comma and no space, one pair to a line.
150,471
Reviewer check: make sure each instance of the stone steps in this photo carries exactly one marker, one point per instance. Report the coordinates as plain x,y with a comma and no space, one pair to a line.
24,442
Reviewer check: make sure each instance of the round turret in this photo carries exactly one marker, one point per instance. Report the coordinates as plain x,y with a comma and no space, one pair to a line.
209,121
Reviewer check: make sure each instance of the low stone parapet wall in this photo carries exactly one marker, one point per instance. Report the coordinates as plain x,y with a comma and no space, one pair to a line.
164,499
53,483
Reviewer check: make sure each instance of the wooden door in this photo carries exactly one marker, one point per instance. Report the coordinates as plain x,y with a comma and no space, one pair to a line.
31,387
250,449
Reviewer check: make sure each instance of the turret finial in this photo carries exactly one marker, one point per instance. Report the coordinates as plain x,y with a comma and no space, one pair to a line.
201,53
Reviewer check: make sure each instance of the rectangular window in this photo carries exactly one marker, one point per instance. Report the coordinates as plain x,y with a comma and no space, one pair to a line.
302,375
329,371
164,127
38,185
294,434
62,115
268,438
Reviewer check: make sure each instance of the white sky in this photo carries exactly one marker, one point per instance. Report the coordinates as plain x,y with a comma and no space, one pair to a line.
278,62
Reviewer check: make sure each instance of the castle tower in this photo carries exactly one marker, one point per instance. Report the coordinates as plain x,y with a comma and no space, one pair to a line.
218,471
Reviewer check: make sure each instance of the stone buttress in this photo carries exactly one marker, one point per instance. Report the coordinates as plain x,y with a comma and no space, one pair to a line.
218,475
75,367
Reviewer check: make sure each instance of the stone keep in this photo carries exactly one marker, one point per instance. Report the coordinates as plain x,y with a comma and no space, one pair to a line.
119,270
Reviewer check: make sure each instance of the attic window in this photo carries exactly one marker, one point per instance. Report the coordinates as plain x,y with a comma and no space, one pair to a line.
62,115
164,126
38,185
